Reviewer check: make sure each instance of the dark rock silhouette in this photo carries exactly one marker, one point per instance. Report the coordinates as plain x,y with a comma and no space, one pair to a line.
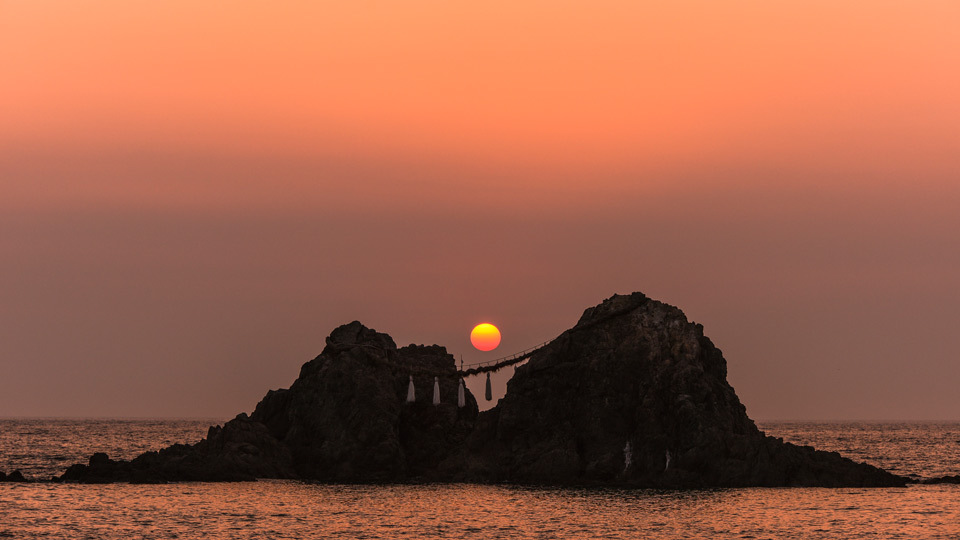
345,417
15,476
948,479
633,395
240,450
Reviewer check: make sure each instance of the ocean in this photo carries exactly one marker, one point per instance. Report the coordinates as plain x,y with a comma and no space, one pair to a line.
41,448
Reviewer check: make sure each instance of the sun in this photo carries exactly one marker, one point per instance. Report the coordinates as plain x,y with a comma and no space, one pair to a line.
485,337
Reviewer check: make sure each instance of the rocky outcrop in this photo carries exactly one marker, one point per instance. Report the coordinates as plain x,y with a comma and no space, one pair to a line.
633,395
345,419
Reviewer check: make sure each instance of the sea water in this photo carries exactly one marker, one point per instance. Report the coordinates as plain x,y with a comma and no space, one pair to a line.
287,509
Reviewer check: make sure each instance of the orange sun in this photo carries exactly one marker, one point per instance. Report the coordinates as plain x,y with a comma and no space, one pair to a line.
485,337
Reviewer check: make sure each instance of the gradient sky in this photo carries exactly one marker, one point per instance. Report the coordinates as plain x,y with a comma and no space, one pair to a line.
193,194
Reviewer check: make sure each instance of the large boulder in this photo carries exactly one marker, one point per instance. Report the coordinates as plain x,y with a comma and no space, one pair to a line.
345,418
635,394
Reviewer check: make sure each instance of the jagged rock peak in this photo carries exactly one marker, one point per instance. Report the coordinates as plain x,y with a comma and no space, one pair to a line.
355,334
616,304
656,312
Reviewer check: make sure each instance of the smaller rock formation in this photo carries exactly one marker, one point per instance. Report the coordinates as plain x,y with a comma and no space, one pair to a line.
345,419
15,476
948,479
240,450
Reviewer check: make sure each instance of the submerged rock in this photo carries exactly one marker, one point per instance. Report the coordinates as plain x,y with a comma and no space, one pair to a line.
633,395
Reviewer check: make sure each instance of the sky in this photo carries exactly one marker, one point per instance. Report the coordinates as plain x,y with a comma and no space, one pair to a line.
194,194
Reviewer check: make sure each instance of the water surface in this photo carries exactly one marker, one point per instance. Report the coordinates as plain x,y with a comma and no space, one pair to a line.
288,509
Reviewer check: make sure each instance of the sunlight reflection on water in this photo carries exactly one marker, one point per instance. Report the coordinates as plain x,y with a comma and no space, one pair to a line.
285,509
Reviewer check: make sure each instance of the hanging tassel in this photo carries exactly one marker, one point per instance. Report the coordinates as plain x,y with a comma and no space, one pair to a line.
411,397
436,390
489,390
461,398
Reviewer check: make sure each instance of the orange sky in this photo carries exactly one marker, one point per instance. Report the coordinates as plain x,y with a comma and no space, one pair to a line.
621,85
747,160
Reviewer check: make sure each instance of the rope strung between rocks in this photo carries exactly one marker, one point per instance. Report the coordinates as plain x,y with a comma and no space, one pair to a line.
487,365
384,359
481,367
515,358
476,368
494,365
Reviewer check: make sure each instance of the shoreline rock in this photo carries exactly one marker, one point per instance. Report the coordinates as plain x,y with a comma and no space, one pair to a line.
14,477
634,395
948,479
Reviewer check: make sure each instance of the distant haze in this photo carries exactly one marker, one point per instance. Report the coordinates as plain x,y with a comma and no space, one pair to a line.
194,194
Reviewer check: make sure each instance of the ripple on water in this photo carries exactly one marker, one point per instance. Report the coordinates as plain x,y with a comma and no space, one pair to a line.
41,448
246,510
294,510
